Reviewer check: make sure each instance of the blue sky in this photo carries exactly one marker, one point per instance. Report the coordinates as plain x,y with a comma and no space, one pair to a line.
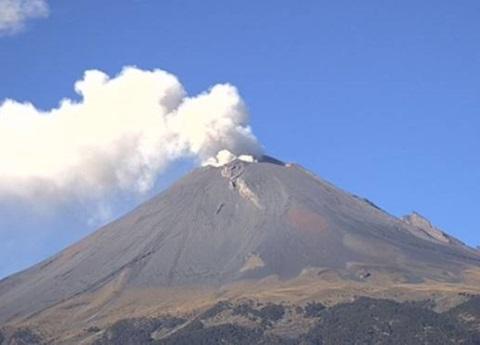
381,98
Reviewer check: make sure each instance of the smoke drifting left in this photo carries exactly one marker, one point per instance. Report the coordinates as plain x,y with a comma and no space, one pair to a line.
122,135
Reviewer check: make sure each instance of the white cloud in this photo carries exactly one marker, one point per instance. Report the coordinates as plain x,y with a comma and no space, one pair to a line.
123,133
15,13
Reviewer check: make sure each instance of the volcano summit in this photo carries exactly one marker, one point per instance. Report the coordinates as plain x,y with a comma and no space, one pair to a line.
262,250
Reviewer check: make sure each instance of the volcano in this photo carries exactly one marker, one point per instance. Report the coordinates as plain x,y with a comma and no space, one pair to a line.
265,231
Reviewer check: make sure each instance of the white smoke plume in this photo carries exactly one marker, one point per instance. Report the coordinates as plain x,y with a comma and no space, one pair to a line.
224,157
15,13
122,134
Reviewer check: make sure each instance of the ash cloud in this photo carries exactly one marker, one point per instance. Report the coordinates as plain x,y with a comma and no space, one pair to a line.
123,133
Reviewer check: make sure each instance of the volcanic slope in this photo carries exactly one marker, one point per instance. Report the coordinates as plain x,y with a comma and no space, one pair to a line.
222,229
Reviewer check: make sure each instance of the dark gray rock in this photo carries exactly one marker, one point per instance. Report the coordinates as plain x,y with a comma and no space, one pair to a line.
136,331
369,321
364,321
468,313
25,336
313,309
265,315
227,334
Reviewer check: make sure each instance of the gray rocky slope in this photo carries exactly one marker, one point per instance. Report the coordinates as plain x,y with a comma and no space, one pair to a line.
241,221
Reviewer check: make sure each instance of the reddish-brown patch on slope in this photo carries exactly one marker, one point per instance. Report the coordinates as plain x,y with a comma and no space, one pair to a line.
307,221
